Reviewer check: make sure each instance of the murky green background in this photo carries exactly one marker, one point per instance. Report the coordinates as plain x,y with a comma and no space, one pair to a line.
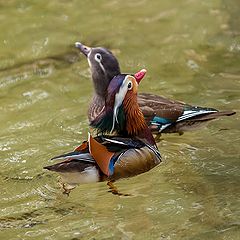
192,52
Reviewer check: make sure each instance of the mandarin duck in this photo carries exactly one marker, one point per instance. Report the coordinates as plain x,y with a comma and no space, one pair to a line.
124,145
162,115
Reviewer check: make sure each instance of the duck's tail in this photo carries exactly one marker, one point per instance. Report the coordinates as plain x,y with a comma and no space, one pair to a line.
212,116
194,122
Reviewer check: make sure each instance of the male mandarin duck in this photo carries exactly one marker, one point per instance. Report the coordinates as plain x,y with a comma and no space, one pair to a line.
130,151
162,115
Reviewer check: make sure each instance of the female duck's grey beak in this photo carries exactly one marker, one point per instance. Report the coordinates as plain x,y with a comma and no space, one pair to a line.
84,49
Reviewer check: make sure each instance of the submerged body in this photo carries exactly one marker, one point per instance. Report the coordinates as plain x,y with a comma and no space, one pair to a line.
128,161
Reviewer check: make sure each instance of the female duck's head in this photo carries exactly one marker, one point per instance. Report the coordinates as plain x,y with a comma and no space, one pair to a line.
104,66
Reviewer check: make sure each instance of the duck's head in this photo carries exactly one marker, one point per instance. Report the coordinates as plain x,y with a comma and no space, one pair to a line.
104,66
122,113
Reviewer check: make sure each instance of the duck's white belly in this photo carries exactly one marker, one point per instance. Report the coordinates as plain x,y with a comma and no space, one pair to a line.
89,175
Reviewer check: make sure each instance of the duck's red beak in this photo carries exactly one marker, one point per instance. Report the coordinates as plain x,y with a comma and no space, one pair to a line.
140,75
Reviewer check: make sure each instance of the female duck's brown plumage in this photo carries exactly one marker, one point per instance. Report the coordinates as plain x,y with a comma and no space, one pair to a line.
131,149
162,115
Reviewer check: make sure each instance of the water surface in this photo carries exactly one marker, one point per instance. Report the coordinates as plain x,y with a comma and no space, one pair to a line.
192,52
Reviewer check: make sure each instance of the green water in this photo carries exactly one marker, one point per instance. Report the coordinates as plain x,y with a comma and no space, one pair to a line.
191,50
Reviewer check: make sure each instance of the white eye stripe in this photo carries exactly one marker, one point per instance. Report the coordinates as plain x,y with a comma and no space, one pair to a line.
98,58
119,97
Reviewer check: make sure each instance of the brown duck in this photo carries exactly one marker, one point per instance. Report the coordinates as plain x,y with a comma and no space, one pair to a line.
162,115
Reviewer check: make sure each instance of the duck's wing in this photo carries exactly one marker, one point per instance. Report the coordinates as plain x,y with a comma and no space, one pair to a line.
164,115
75,161
72,165
80,153
118,144
109,150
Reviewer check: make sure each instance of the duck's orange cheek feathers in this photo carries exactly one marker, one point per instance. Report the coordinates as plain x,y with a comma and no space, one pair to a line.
129,101
134,117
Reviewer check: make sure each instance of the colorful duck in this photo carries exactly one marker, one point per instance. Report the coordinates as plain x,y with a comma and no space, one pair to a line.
162,115
130,151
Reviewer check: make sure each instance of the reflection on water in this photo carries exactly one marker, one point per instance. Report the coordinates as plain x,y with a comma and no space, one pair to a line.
191,51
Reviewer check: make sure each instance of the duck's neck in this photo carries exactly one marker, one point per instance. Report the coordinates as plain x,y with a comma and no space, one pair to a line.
100,83
96,107
101,80
135,121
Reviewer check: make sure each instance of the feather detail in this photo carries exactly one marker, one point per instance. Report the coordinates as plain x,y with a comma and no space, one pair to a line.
213,115
135,121
81,147
101,155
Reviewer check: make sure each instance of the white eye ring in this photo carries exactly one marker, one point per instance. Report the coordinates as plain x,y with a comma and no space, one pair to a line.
98,57
130,85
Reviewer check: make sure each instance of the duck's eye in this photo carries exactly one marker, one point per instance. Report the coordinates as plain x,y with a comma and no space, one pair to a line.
129,85
98,57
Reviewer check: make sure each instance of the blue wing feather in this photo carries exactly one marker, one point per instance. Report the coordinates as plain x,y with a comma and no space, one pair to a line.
188,113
